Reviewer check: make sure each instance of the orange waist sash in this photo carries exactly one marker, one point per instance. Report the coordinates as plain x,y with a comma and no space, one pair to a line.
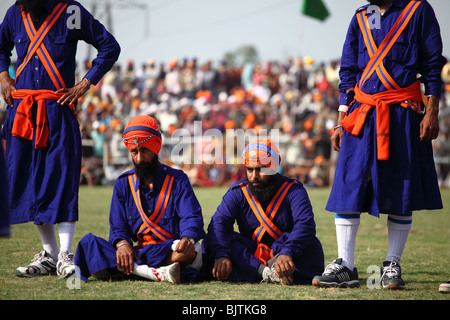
23,125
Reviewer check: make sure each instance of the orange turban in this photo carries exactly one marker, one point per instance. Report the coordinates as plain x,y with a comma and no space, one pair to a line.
262,152
143,130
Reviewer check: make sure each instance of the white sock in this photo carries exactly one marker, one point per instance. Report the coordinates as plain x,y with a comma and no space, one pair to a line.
198,261
66,231
347,224
398,230
145,271
48,238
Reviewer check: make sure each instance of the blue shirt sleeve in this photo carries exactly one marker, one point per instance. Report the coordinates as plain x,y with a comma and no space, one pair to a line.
188,209
6,41
294,242
220,229
118,218
94,33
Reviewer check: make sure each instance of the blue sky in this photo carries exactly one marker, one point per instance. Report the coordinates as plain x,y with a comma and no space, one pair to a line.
206,29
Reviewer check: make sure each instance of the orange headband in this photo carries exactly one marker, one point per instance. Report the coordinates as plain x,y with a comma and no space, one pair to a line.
143,130
262,152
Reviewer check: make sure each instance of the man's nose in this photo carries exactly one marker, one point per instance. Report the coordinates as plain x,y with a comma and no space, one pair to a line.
138,157
256,174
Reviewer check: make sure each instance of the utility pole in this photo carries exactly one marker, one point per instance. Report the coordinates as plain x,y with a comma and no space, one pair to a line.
106,13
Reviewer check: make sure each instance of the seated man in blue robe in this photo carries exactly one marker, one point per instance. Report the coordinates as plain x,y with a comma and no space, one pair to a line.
153,205
277,240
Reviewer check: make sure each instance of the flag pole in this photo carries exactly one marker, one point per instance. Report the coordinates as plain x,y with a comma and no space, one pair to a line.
301,35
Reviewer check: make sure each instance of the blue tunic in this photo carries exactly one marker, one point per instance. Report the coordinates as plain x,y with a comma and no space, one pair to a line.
182,217
407,181
295,218
4,207
44,184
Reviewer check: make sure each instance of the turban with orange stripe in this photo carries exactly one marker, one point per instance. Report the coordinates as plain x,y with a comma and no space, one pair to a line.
262,152
143,130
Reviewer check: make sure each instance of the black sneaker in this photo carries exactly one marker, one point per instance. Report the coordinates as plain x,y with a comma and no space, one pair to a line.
337,276
391,276
41,265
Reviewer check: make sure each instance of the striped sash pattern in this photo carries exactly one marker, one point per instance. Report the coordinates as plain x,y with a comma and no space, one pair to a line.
37,45
377,55
265,217
150,224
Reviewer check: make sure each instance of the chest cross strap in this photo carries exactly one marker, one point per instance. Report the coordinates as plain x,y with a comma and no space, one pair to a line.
150,224
37,45
22,125
265,217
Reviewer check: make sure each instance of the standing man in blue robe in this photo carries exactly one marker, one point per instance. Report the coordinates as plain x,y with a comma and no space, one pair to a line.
41,133
391,64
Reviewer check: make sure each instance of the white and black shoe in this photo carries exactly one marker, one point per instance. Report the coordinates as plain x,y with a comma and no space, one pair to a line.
41,265
445,287
65,266
337,276
391,276
270,276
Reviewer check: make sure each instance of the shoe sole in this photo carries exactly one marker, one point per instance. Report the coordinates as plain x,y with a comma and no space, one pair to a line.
26,275
347,284
175,274
394,287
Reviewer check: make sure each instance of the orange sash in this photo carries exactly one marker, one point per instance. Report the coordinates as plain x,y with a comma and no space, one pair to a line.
150,224
355,120
263,252
377,55
37,45
407,97
23,126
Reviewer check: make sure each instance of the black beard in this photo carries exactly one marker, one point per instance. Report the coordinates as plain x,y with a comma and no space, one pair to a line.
375,2
147,170
33,7
267,191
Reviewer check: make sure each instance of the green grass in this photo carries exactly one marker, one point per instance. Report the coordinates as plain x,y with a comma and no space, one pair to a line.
424,260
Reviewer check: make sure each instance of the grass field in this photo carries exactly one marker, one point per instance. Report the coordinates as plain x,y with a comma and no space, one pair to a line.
424,261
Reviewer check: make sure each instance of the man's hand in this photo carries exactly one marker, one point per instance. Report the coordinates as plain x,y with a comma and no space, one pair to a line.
8,86
336,137
73,94
185,246
125,257
429,126
222,268
283,265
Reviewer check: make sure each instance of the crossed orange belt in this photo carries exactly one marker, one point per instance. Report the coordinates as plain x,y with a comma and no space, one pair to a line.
23,126
408,97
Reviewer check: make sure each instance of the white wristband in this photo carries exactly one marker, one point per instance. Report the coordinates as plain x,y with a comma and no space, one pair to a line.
122,244
343,108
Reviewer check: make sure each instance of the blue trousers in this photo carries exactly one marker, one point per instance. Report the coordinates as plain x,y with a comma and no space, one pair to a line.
95,254
4,200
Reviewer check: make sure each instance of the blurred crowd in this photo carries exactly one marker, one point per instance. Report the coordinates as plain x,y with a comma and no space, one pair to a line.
297,97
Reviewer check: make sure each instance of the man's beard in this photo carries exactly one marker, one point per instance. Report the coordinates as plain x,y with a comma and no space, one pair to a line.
375,2
147,170
266,191
34,7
